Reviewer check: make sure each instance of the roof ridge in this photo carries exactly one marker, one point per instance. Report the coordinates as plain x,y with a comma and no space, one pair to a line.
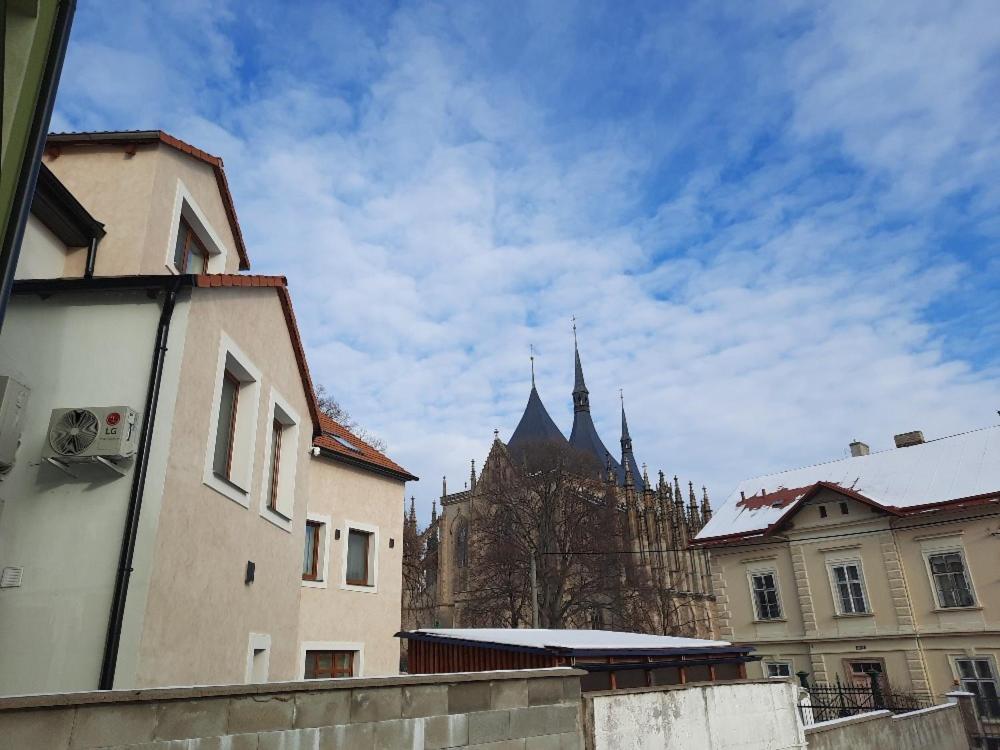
869,455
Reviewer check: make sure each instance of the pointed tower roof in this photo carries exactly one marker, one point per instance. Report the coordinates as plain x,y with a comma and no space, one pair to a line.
584,436
535,424
628,458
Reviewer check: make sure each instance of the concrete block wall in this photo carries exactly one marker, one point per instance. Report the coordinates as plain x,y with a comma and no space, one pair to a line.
515,710
937,728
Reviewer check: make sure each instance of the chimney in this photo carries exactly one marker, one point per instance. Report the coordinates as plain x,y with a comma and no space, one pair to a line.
859,449
906,439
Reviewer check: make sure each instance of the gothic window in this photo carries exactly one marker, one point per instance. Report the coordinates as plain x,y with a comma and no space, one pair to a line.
462,544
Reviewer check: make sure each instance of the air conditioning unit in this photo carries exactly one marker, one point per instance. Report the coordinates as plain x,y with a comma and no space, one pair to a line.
101,434
13,403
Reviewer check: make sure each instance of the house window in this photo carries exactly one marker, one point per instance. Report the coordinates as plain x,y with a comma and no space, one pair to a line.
844,510
326,664
232,439
358,554
311,561
190,253
225,433
778,669
274,471
765,595
849,588
977,676
951,583
822,511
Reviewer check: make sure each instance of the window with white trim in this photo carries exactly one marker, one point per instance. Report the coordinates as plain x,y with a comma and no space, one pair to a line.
849,587
778,669
278,481
328,664
360,557
977,675
190,253
315,551
764,586
950,579
195,247
233,429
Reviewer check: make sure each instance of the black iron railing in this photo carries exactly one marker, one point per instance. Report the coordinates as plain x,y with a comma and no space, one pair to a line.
837,701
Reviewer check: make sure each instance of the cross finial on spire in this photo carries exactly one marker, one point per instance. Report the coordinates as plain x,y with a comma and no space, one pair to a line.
531,347
574,330
496,434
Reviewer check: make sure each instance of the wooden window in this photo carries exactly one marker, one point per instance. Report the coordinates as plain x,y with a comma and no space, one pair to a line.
325,664
310,561
977,676
765,595
277,432
849,588
950,579
358,551
190,253
822,511
225,434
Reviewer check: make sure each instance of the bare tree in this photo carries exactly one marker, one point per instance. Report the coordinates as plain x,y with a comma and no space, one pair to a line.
549,505
333,409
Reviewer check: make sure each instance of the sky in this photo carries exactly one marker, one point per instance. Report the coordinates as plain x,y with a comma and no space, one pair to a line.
776,224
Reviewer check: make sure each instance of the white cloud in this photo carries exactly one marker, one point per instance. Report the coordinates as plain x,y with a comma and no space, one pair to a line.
436,211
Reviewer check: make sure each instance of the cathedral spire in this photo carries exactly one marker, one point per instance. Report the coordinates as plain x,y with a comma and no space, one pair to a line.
413,514
581,396
706,507
626,440
434,512
472,476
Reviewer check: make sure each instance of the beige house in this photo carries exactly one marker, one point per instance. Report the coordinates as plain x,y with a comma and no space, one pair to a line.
165,469
884,562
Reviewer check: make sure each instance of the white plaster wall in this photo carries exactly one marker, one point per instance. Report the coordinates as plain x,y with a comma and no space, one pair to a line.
65,532
43,255
720,716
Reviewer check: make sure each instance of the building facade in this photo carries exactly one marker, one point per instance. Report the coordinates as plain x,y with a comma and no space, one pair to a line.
210,544
648,530
881,562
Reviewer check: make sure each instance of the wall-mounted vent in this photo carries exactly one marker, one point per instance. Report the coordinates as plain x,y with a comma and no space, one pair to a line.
10,578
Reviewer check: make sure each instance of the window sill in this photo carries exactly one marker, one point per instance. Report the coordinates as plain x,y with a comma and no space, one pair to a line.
973,608
851,615
759,621
227,488
308,584
280,520
363,588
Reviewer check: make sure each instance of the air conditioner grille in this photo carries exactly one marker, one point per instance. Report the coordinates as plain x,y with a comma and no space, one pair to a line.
74,432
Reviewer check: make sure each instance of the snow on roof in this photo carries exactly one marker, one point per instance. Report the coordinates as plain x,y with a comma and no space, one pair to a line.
576,640
950,468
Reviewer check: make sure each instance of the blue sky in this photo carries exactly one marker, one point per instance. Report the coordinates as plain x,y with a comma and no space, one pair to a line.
776,224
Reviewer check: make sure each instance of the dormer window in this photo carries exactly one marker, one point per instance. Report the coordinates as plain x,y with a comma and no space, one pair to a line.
190,254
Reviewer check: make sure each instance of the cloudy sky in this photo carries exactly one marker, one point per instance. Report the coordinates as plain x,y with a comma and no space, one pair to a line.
777,224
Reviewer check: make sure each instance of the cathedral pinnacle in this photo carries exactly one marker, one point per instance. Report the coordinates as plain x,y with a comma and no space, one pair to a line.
472,476
581,396
434,512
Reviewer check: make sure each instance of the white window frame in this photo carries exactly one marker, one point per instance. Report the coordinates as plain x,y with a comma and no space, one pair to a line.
278,408
778,662
991,659
323,558
358,648
751,572
238,487
258,642
943,547
186,206
373,555
835,591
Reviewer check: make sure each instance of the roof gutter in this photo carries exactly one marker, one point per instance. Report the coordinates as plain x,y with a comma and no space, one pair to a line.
116,616
366,465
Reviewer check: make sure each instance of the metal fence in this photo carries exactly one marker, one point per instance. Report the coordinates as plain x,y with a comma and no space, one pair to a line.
826,702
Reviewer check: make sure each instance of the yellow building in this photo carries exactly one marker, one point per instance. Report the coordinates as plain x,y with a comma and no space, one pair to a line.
883,562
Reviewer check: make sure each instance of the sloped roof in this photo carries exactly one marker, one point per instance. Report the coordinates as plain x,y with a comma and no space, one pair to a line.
128,137
946,470
535,425
357,451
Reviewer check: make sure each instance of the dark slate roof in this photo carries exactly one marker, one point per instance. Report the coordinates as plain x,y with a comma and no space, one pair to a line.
535,424
586,440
